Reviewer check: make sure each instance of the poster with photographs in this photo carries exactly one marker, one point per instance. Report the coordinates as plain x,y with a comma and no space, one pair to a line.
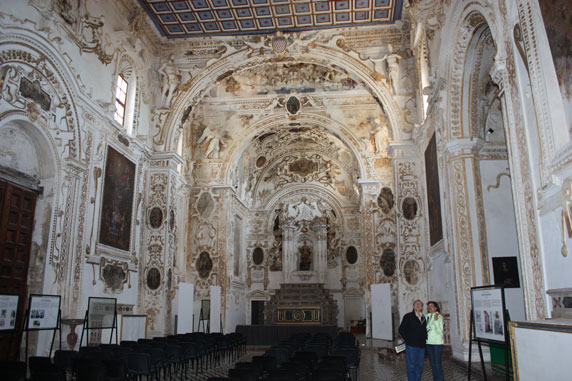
488,313
8,312
101,313
43,312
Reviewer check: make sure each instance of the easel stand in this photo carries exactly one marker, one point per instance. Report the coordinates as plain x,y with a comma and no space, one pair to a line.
86,328
473,337
205,323
28,329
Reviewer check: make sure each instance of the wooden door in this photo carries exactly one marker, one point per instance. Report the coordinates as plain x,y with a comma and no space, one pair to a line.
17,206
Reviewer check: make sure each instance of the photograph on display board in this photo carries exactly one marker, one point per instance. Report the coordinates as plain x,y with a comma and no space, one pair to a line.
8,311
43,312
101,312
488,316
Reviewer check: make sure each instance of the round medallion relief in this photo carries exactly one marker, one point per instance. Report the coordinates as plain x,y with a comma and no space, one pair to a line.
156,218
387,262
260,162
409,207
204,264
385,200
293,105
153,278
411,271
351,255
258,256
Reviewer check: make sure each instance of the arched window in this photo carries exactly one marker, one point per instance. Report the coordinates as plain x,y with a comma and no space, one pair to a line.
125,91
120,99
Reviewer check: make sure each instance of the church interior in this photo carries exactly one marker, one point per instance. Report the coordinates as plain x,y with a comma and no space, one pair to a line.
216,164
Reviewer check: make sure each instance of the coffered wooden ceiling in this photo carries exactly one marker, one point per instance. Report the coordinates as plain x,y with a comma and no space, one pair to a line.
177,19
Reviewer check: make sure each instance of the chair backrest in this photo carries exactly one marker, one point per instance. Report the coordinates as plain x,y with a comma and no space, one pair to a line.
139,363
246,374
63,359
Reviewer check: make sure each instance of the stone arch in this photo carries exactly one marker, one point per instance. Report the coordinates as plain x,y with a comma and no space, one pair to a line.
333,126
18,50
326,195
317,54
468,21
30,150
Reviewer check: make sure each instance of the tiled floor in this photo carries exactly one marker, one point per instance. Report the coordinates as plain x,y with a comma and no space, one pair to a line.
372,368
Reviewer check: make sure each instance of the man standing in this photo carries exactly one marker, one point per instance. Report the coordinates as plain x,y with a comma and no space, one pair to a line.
413,329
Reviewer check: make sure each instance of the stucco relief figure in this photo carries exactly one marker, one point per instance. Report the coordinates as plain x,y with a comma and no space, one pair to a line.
213,142
380,138
392,67
170,77
305,257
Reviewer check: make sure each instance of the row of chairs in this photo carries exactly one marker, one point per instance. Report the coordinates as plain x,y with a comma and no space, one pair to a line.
301,357
158,358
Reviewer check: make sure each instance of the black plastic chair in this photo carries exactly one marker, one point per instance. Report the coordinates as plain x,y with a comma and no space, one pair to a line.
87,369
138,365
63,359
42,368
246,374
13,370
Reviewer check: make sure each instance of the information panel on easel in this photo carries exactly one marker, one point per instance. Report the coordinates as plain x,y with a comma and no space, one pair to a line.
489,317
8,311
101,313
43,312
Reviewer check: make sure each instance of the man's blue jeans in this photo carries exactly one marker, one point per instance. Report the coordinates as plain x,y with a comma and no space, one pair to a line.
435,353
415,357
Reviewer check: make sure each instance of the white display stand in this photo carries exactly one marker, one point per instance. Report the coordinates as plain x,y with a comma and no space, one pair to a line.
185,302
133,327
382,326
215,323
541,349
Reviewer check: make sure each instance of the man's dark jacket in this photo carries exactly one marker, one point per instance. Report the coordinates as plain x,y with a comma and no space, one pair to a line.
413,331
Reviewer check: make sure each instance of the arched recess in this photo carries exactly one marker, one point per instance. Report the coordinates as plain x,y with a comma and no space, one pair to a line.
334,127
319,54
474,18
465,146
27,149
50,120
296,192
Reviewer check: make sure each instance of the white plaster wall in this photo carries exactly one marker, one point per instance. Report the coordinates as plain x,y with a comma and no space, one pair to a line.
501,227
236,312
556,267
439,277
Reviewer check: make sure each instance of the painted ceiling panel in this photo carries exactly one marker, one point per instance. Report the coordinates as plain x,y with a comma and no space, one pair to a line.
179,19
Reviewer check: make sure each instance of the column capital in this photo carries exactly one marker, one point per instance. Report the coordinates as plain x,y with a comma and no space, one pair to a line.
403,150
167,160
464,147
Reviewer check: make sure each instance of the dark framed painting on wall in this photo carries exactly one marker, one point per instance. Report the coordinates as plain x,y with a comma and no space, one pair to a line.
433,195
505,270
117,203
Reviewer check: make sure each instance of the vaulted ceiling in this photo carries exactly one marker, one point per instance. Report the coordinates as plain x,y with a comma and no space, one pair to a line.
177,19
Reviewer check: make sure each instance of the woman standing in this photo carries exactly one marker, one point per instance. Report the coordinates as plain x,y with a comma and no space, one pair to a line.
435,340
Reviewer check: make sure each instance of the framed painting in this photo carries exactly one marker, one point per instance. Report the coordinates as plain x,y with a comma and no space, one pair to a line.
117,203
505,270
433,195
